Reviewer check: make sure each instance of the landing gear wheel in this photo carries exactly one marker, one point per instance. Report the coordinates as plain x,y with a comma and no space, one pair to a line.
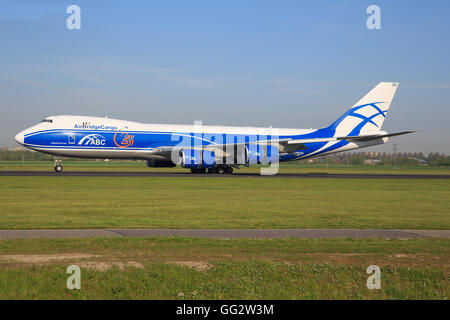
57,165
212,170
220,170
229,170
194,170
202,170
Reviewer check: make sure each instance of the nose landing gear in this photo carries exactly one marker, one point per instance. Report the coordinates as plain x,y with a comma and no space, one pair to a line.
57,165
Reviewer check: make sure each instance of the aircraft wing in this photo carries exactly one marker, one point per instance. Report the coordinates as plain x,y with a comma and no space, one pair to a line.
282,144
287,145
349,138
222,146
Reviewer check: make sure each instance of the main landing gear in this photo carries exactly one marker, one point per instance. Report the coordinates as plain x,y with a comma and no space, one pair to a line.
57,165
217,169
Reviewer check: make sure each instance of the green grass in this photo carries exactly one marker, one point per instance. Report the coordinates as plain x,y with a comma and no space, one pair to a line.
237,269
168,267
288,249
196,202
287,167
236,280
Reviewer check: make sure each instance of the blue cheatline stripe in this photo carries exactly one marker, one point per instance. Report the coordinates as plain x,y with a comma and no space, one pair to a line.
185,134
101,131
42,141
74,147
165,136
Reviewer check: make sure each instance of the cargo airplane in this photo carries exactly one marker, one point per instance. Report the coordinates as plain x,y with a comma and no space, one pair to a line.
212,149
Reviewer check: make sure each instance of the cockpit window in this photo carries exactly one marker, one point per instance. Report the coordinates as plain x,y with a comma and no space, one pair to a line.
47,120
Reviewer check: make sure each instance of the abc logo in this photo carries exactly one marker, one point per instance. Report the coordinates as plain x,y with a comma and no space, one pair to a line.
93,140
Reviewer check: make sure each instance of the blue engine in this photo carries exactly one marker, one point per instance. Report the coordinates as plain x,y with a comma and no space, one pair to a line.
262,154
191,158
250,154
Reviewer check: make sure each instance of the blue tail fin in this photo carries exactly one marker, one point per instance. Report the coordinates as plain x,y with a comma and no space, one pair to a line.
368,114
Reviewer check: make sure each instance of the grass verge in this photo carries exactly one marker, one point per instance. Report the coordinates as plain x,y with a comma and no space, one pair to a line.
195,268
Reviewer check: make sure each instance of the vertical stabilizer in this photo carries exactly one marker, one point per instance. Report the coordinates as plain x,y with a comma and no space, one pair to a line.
367,114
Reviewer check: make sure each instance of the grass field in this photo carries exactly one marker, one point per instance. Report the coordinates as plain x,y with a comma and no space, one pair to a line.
195,202
193,268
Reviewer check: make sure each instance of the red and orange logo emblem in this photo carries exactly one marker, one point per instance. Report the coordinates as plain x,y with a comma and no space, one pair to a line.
125,139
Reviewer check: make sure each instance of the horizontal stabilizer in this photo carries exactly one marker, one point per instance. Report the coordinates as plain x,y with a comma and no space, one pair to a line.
374,136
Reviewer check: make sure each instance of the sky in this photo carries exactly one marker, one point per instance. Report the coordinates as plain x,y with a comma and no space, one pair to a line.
287,64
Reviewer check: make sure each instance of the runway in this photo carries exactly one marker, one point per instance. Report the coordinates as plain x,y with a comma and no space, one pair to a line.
234,175
227,233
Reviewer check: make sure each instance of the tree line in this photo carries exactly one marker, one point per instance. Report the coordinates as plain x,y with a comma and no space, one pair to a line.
383,158
355,158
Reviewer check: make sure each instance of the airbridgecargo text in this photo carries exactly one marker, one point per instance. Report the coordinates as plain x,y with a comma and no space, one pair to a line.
86,125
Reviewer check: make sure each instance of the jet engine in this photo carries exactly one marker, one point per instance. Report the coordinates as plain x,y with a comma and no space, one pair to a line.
262,154
192,158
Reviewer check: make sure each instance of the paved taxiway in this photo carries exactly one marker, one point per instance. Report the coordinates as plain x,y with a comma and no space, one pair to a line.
237,174
227,233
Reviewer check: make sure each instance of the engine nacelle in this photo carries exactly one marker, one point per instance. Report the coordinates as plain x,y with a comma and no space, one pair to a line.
159,163
192,158
262,154
237,154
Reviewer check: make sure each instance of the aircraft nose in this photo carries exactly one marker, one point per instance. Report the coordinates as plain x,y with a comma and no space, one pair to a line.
19,137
